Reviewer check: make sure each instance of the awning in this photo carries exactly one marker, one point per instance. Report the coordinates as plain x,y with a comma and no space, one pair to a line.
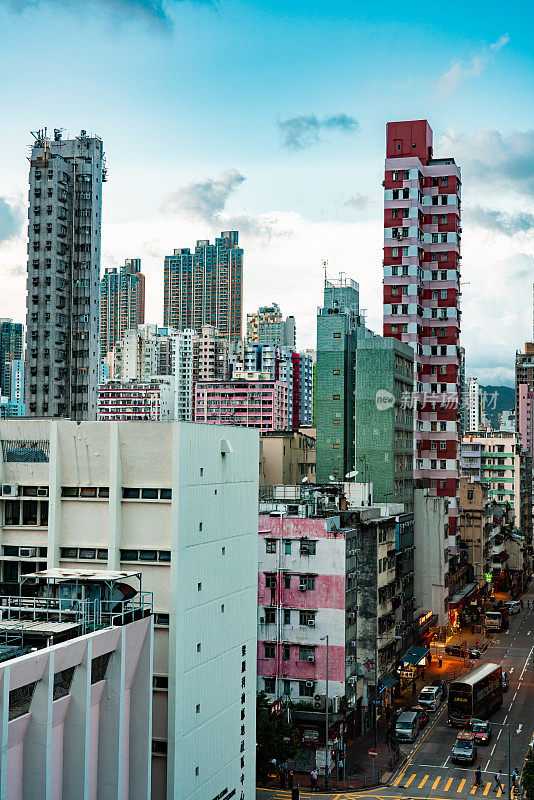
389,681
457,599
416,655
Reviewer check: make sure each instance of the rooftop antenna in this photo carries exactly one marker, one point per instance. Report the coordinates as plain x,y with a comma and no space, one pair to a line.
58,134
325,264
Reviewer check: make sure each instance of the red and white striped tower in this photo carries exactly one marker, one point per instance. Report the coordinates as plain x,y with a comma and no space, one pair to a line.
422,233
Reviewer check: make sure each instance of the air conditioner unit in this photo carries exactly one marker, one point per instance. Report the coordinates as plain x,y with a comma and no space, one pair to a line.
10,490
311,623
27,552
311,659
42,491
317,697
310,684
302,587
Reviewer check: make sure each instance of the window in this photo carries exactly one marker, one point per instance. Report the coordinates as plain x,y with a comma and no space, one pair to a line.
165,494
102,554
337,336
270,651
268,686
149,494
88,491
130,494
164,555
287,547
270,545
29,512
65,552
308,547
69,491
306,688
129,555
336,372
12,512
306,617
306,653
307,582
470,494
161,619
270,581
287,616
86,552
148,555
286,652
270,616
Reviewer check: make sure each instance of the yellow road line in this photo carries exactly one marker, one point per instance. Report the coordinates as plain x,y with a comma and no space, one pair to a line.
423,781
436,782
499,792
473,790
409,780
486,790
447,785
397,780
461,786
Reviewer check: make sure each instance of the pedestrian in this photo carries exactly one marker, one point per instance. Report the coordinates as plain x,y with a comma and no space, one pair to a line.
478,775
290,779
521,604
440,661
340,769
314,775
283,778
515,778
498,782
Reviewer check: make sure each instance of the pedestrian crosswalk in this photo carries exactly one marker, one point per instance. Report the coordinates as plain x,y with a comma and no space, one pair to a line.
442,783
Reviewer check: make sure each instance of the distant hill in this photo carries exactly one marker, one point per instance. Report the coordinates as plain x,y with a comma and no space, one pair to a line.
495,399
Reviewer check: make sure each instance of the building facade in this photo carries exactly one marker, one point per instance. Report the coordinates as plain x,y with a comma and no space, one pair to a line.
15,405
210,355
384,419
11,346
137,401
76,706
64,232
422,233
500,465
474,404
252,401
476,527
267,326
177,503
122,302
205,287
287,457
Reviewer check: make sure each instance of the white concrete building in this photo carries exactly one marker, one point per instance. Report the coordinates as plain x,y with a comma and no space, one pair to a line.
474,404
178,501
431,562
75,708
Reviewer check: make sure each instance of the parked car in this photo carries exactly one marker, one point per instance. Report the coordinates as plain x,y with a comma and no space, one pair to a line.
504,681
443,688
422,713
514,606
481,730
430,697
464,749
460,650
407,726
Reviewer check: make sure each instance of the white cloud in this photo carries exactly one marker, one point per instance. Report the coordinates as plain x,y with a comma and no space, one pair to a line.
460,71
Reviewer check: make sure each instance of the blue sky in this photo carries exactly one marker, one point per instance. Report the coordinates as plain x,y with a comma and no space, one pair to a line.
198,105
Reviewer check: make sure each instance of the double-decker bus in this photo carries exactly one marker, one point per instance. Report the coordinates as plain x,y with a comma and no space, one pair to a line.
475,695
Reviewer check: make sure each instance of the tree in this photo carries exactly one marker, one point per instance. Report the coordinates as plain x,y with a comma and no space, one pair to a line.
527,777
276,738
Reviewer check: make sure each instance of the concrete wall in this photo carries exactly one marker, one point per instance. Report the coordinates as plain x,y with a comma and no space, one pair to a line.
431,554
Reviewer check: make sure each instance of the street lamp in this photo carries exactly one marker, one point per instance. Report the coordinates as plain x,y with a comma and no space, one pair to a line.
326,721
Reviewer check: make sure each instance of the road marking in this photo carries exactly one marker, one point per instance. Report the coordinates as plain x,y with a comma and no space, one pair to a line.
528,633
446,762
409,780
492,752
487,765
526,663
520,728
447,785
511,670
504,720
461,786
423,781
499,792
513,698
397,780
486,790
436,782
475,787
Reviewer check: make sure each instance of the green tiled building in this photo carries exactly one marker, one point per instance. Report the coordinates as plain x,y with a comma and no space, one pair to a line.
384,418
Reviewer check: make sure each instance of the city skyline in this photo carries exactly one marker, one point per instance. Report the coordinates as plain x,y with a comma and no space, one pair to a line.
300,176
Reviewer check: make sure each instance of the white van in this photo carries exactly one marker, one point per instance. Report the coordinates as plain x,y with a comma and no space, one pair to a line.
430,697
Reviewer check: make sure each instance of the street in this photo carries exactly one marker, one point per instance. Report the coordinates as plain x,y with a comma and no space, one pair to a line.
428,771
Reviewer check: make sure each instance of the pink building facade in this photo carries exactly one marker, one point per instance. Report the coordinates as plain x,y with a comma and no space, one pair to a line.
302,597
525,416
261,404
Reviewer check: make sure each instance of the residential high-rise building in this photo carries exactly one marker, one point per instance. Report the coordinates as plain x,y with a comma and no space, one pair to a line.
205,287
14,406
474,404
175,504
499,456
65,217
422,232
524,371
384,419
251,400
10,350
267,326
122,302
210,355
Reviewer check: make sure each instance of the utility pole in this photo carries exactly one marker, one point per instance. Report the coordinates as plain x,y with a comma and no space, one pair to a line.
326,770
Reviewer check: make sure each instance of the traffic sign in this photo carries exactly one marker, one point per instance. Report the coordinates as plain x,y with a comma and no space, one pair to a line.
372,753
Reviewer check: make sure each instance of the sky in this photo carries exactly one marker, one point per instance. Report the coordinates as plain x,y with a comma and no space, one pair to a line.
269,118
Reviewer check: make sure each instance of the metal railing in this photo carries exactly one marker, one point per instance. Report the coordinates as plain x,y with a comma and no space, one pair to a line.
88,614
